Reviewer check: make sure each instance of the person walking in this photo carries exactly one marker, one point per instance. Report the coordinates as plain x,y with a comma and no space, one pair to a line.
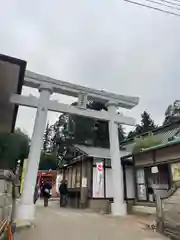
63,190
46,193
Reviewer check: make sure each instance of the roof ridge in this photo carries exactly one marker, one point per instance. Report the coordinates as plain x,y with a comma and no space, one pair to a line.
154,131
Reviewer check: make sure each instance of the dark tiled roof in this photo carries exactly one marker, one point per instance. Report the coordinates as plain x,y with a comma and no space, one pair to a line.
164,133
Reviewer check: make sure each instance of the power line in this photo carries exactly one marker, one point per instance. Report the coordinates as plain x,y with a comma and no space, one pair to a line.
170,2
155,8
162,4
176,1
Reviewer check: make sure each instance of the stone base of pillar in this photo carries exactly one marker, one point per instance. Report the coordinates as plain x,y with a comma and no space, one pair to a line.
25,212
119,209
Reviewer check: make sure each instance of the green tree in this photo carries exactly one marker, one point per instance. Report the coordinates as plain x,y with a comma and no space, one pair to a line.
61,137
146,125
81,129
172,113
121,133
101,129
101,134
71,129
48,161
47,138
13,147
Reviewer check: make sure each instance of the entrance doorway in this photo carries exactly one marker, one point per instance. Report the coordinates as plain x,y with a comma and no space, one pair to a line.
44,176
149,183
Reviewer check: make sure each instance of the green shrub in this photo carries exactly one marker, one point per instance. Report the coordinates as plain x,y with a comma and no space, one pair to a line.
13,147
146,142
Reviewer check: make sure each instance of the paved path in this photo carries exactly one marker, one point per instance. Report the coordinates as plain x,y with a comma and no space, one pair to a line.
55,223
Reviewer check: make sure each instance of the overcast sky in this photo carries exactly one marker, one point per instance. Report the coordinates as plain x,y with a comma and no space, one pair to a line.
105,44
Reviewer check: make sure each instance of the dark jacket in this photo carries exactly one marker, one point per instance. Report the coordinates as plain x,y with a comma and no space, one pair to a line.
46,190
36,195
63,188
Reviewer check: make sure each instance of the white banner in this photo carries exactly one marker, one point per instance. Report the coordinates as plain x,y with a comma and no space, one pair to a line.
58,182
84,182
98,180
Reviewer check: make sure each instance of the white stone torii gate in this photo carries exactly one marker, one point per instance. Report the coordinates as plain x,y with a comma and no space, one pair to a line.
46,87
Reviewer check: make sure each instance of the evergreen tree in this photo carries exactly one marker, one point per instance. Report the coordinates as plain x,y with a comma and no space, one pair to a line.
47,138
61,138
146,125
75,129
121,133
172,113
82,129
101,134
48,161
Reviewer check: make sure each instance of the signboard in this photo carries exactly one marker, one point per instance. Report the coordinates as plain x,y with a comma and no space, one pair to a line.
154,169
59,178
84,182
175,170
98,180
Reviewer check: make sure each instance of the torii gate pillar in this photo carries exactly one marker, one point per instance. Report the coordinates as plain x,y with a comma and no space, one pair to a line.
118,205
26,208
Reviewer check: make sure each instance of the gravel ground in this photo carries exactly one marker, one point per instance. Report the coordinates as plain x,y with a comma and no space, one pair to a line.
55,223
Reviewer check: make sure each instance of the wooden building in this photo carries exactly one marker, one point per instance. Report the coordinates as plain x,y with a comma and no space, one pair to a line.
154,171
89,178
145,174
153,166
157,167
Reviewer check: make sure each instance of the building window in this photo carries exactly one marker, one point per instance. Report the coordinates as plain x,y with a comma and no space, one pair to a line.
107,162
141,186
97,160
74,177
157,182
69,177
149,183
66,175
78,177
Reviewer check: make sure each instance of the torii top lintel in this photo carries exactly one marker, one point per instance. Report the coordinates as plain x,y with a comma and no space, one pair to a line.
35,80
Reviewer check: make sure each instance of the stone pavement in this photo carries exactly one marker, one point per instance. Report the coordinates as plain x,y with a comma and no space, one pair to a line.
55,223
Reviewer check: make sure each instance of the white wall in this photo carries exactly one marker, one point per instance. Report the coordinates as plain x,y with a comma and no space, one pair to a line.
129,182
109,186
130,185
